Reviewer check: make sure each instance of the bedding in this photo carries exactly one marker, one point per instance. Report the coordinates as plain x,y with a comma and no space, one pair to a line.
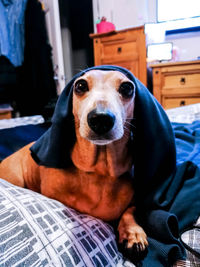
16,133
184,120
37,231
28,120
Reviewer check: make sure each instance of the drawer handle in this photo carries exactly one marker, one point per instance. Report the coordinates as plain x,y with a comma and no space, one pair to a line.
182,103
182,80
119,49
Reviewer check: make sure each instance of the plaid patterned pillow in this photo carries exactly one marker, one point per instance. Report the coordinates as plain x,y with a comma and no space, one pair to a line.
38,231
192,239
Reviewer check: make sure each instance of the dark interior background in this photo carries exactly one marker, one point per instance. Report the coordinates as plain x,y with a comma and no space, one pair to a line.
77,16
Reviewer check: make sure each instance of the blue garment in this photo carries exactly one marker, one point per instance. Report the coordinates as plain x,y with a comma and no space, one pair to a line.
12,41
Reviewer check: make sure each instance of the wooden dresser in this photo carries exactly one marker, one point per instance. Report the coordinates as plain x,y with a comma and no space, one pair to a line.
125,48
177,83
5,111
5,115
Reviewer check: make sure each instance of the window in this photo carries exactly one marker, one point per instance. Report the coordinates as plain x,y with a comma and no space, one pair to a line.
177,9
179,14
159,52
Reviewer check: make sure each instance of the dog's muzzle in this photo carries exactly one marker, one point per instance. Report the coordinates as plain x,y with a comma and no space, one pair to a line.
101,122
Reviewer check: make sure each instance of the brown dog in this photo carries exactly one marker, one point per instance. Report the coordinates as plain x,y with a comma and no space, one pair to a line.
99,182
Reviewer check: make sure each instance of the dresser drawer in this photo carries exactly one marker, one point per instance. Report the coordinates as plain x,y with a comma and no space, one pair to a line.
132,66
113,52
179,101
5,115
126,48
181,81
177,83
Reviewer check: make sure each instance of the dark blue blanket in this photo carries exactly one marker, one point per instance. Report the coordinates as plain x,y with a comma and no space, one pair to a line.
178,200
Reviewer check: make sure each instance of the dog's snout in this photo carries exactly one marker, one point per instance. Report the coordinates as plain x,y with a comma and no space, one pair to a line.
101,122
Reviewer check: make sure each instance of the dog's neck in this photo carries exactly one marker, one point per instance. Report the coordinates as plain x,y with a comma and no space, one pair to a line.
111,160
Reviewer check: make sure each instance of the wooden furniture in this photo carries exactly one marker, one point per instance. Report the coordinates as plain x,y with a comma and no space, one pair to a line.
126,48
5,115
5,111
177,83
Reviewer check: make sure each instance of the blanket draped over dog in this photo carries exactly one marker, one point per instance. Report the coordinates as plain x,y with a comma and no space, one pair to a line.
167,195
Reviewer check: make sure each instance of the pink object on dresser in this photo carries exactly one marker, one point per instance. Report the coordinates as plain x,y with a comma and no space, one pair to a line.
105,26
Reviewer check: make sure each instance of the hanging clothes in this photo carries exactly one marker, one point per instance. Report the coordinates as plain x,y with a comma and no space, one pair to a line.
36,85
26,57
12,30
7,81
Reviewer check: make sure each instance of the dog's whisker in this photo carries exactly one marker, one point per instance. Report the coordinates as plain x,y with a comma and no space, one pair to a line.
129,124
126,127
130,118
78,69
126,132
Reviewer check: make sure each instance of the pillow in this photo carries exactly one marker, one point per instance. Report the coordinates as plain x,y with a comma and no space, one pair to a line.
38,231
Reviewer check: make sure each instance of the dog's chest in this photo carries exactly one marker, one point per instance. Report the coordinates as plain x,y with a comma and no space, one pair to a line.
99,196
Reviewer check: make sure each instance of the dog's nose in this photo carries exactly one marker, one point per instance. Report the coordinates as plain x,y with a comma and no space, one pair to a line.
101,122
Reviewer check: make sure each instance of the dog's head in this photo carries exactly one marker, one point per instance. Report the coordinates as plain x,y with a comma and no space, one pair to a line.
103,104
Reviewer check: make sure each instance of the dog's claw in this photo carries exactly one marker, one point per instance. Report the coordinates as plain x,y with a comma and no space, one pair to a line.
132,238
135,253
125,243
132,242
138,247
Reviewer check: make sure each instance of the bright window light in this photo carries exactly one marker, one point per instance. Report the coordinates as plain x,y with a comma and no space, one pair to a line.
159,52
177,9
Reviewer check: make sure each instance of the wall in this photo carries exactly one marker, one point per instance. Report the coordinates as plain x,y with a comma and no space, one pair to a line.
123,13
187,44
131,13
76,25
54,33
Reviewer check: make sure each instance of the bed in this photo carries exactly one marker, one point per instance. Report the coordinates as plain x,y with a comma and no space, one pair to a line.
38,231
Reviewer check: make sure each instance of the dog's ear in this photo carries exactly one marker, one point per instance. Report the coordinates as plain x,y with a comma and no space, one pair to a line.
154,149
153,145
53,148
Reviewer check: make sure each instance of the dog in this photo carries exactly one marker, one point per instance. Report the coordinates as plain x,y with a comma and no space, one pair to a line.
99,181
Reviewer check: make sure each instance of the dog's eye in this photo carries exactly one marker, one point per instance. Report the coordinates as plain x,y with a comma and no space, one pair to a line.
81,87
126,89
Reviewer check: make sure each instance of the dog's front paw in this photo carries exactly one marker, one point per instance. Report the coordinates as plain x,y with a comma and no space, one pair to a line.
133,236
132,240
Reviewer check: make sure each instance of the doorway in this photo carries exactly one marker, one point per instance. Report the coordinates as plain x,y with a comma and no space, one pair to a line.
76,19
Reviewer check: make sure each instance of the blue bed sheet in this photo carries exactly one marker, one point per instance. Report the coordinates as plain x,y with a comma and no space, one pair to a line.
187,138
12,139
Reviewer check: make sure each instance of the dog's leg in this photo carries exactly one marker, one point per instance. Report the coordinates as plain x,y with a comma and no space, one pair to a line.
11,171
132,238
14,168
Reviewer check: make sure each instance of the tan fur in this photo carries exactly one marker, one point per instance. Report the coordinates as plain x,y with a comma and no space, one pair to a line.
98,183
